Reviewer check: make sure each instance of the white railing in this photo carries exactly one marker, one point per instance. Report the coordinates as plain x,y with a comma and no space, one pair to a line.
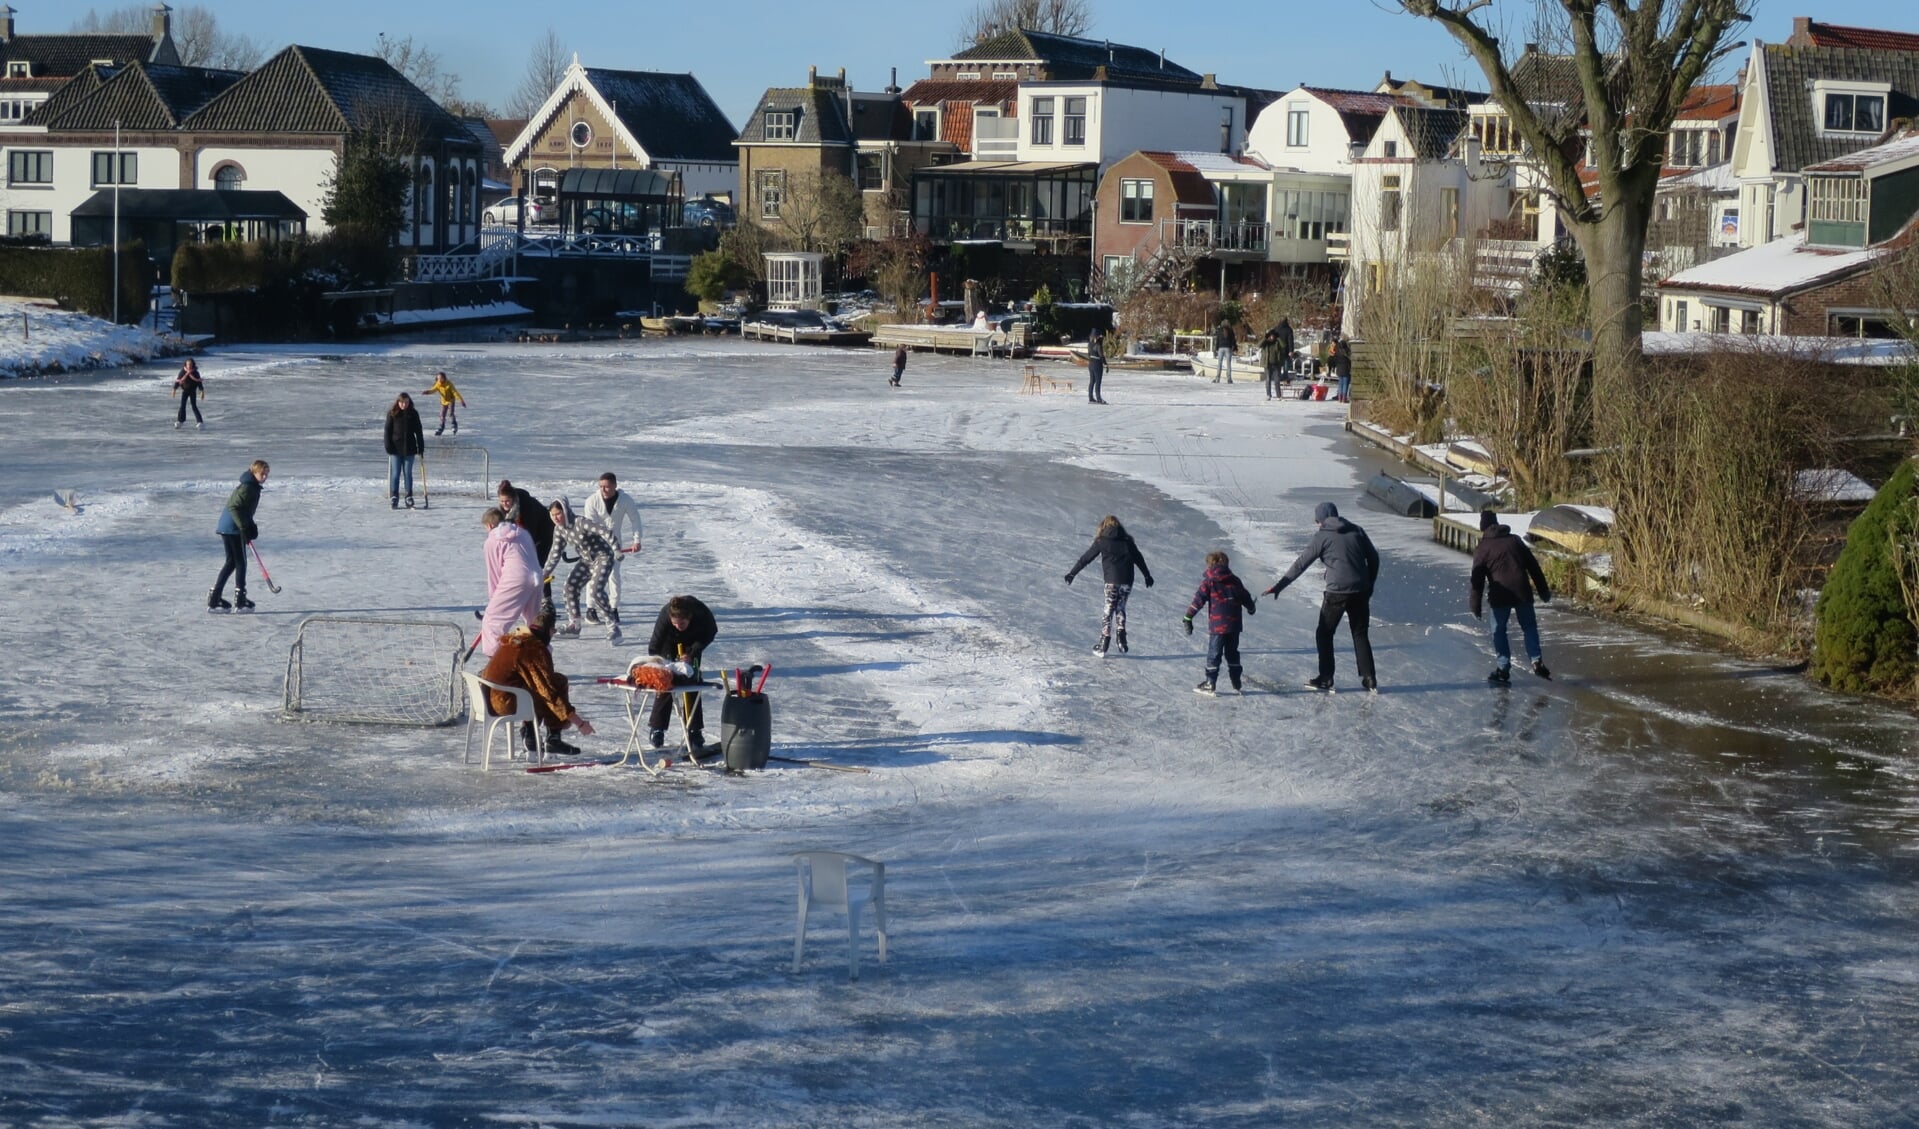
498,246
671,267
592,246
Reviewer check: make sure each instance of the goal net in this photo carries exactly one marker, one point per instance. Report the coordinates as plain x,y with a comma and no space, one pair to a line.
379,671
459,468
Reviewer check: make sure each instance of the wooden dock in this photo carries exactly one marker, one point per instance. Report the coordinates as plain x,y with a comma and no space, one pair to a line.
796,335
955,339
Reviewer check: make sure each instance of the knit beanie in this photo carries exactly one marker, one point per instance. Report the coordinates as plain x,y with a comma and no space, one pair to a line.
1488,519
1325,510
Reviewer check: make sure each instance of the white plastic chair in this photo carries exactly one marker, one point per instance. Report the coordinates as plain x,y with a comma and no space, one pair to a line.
822,878
477,712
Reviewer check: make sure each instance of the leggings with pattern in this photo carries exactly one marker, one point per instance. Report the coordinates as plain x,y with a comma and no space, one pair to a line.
590,574
1114,618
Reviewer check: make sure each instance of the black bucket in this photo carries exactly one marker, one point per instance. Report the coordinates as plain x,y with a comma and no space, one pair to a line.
746,731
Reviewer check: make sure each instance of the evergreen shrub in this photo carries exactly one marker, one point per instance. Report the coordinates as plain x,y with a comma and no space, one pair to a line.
1864,637
78,278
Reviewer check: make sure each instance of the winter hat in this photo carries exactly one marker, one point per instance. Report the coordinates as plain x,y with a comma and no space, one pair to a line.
1488,519
1325,510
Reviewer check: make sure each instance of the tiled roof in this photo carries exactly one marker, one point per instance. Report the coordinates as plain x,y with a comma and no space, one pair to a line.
1871,38
1431,132
1189,187
147,96
70,94
63,56
1356,101
1790,74
821,116
1708,103
313,90
505,130
670,115
1068,57
881,117
986,92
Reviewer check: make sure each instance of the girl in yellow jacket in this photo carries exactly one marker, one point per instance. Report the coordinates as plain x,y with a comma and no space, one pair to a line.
447,394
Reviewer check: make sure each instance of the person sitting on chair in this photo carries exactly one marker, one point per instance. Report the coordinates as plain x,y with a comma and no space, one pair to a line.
524,659
683,631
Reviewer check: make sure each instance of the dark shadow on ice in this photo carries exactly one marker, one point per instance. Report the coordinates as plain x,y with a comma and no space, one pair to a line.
840,668
919,749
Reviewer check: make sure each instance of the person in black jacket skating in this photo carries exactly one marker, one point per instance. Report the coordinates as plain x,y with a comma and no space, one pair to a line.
527,512
405,439
1118,556
1096,369
683,631
1506,571
1352,567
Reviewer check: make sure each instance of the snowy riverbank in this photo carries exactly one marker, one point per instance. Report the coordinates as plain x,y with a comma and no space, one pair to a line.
36,338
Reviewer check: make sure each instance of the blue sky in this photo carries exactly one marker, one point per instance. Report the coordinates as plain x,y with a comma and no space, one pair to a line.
738,49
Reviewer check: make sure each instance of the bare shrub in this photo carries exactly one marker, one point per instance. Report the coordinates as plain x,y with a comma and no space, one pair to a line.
1525,392
1151,317
1407,327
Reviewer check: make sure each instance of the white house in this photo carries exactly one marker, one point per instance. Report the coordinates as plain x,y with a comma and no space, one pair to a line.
1102,121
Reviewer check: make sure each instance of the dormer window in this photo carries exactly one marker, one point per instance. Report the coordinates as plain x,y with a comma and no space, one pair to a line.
780,125
1855,113
19,68
1836,211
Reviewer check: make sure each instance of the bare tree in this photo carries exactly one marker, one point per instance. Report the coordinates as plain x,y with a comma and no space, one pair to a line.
821,211
996,17
545,66
197,36
1631,68
421,66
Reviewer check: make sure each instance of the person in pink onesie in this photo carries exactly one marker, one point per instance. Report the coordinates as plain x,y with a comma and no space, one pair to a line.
513,592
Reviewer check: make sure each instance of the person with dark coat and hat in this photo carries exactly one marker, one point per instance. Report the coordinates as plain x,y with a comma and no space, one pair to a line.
1118,557
1223,596
1352,568
1507,574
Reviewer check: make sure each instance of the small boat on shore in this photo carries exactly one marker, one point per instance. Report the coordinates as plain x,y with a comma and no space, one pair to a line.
1579,529
1136,362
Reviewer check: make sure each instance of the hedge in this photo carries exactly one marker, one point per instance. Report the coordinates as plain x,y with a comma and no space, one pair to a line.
1864,637
78,278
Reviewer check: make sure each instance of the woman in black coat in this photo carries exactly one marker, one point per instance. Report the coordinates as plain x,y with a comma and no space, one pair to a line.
1118,558
405,439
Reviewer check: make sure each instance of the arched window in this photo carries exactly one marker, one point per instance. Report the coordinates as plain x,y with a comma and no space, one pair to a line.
424,194
229,177
472,192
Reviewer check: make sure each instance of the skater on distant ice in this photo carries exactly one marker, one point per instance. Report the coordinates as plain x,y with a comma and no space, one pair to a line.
1352,566
618,513
524,660
405,439
189,388
1118,557
899,365
1225,344
447,393
529,514
592,547
512,580
1506,571
1223,595
236,529
1096,370
683,631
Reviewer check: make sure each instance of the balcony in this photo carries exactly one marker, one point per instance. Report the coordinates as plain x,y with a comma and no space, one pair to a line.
1209,239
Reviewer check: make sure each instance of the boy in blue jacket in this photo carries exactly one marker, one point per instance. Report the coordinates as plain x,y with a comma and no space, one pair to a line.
1222,593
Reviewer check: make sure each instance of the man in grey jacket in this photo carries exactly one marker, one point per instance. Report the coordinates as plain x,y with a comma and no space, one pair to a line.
1352,566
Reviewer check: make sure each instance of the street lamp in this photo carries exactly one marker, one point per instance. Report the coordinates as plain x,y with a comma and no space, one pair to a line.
116,221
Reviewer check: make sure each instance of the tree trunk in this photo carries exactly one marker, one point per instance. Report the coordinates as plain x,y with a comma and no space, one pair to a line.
1615,250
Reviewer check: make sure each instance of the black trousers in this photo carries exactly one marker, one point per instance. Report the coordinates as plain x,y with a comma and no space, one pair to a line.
236,566
1357,608
1095,376
190,399
663,712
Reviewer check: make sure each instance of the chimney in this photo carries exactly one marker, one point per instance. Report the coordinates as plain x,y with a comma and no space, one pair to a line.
1162,58
6,23
812,76
893,81
1801,31
842,76
162,22
1532,48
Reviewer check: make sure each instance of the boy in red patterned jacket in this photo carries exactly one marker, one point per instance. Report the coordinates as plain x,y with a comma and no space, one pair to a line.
1224,595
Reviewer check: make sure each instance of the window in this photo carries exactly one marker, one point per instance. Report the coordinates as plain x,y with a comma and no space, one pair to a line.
1296,128
228,178
1389,148
104,168
29,223
1389,203
872,172
30,166
1042,121
1136,201
970,76
1721,317
780,125
1074,127
1841,199
926,125
1495,133
1449,211
1855,113
19,68
581,134
14,109
1014,75
1679,323
772,184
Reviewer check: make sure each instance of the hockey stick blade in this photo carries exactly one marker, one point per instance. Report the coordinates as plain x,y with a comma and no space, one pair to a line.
602,763
821,764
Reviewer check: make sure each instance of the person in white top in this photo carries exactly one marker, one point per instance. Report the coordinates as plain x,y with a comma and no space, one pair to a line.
618,513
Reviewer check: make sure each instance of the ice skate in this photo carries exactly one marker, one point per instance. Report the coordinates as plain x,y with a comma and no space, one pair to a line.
1370,685
215,603
1539,668
1099,648
1322,684
1122,642
1500,677
1207,689
572,627
241,603
613,636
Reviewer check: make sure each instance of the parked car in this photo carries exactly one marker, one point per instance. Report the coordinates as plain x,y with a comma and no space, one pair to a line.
506,213
707,212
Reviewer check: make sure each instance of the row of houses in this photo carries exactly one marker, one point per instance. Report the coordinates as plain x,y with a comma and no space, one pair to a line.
1090,150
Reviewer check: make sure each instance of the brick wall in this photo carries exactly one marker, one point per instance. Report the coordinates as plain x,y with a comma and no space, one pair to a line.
1804,314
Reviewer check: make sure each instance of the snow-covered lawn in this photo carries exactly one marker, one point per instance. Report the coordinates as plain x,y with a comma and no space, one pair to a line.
36,338
1664,889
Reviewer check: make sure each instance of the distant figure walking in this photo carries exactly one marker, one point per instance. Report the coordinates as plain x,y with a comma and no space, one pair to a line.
899,365
1342,362
1225,344
1118,557
189,388
405,439
1096,370
448,394
1284,332
1506,571
1352,567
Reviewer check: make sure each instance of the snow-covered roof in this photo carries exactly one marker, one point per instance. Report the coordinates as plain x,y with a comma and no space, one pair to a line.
1780,267
1834,350
1832,484
1712,178
1219,162
1903,147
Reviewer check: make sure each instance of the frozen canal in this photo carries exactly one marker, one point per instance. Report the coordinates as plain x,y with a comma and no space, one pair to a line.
1665,889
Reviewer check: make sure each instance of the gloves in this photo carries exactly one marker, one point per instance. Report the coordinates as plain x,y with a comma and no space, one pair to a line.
1069,579
1276,589
1149,582
1188,621
252,532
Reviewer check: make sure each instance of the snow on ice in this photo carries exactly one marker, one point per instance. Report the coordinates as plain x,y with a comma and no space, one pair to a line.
1667,888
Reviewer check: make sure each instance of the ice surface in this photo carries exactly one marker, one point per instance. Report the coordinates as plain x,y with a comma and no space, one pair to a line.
1666,888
